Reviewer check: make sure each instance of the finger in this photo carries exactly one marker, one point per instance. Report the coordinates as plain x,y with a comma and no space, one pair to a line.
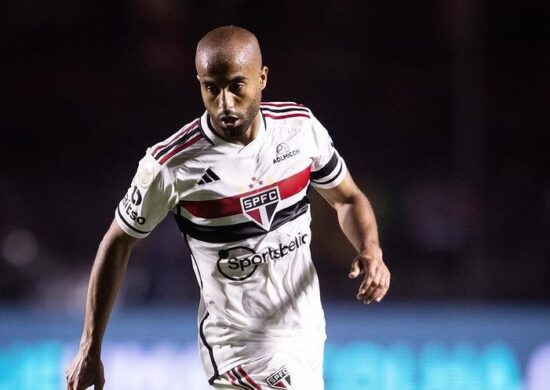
374,285
361,291
381,293
365,286
356,269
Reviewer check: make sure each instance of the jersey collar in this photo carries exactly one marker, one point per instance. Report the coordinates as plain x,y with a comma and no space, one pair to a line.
215,139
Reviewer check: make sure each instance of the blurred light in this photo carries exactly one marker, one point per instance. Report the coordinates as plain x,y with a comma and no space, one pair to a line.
31,366
538,370
19,247
460,366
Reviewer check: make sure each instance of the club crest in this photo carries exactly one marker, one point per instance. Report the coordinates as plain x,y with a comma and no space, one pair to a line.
260,207
280,379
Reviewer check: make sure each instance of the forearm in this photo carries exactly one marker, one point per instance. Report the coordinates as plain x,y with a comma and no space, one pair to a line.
106,278
358,223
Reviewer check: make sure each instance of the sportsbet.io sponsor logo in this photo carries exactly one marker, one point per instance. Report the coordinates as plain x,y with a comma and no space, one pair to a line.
283,152
129,201
240,262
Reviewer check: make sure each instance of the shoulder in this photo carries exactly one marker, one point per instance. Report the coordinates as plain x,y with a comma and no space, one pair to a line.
278,111
291,117
180,146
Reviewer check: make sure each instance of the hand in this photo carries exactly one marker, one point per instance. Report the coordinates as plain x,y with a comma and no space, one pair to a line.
377,276
84,371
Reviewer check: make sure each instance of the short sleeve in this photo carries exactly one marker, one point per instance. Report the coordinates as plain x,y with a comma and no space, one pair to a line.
148,200
328,168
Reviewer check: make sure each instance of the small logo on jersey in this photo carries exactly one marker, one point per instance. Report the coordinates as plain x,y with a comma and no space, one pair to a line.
283,152
240,262
280,379
255,181
136,196
145,174
208,177
260,207
130,201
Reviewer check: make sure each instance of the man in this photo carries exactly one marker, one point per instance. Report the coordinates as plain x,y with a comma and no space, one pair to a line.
236,181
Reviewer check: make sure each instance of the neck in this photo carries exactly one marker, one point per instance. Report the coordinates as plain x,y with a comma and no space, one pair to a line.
252,132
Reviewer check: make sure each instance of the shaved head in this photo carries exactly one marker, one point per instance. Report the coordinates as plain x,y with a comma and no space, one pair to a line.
227,44
232,78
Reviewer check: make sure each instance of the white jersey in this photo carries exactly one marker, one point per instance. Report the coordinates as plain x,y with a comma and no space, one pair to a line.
244,213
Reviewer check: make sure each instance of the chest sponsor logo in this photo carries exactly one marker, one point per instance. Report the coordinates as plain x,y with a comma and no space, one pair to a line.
260,207
283,152
240,262
280,379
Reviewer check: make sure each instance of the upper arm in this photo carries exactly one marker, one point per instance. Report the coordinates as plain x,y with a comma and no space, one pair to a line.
328,168
148,199
116,236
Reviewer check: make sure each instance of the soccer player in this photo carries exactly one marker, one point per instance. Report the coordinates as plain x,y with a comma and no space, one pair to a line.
236,181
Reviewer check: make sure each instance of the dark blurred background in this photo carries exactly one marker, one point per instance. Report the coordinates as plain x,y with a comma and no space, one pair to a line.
440,109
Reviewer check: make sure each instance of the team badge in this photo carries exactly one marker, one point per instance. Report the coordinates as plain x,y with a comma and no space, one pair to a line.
280,379
260,207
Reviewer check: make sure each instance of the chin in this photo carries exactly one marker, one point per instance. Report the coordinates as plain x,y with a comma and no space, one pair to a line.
237,132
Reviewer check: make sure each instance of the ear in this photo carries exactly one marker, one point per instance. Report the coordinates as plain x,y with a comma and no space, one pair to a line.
263,77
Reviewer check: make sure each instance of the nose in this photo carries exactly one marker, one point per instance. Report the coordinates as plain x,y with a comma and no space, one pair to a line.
226,101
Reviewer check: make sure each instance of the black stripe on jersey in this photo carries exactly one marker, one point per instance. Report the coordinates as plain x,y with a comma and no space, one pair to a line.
180,141
240,231
277,110
193,257
203,133
210,351
211,174
128,224
327,169
206,178
236,384
239,377
333,178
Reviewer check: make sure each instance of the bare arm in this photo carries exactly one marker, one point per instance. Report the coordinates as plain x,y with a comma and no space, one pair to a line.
106,278
358,223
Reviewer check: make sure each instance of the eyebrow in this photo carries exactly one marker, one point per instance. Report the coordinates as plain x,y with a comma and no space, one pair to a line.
236,79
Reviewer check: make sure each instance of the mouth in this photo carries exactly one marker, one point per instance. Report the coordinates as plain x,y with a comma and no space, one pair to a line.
229,121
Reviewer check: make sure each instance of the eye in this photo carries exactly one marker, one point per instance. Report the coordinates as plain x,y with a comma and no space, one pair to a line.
236,87
211,88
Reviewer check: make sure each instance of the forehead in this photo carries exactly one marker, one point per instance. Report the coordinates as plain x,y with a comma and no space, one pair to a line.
226,63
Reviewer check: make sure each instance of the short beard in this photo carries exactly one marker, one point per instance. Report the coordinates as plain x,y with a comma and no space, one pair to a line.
247,120
249,117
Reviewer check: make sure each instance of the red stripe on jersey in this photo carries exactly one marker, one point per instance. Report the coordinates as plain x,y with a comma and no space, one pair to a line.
248,379
224,207
285,116
232,378
180,148
175,137
282,104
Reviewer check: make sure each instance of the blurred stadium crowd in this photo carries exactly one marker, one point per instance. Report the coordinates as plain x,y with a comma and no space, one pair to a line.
440,109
